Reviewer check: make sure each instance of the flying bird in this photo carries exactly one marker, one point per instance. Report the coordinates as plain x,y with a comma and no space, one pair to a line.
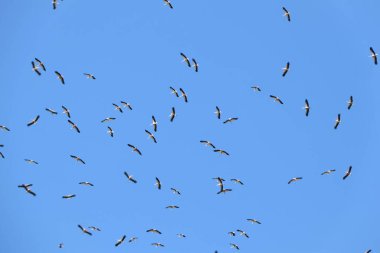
181,235
175,191
276,99
157,244
117,108
243,233
73,125
41,64
348,173
174,91
134,149
61,245
26,187
234,246
94,228
172,207
238,181
34,121
337,122
218,112
195,65
1,155
294,179
77,158
327,172
307,107
158,183
183,94
254,221
110,131
207,143
154,123
89,76
222,152
125,104
51,111
287,14
373,55
120,241
185,59
35,69
31,161
130,178
86,183
84,230
132,239
60,77
350,102
286,69
224,191
172,114
70,196
153,230
66,111
151,136
107,119
256,88
168,3
231,233
55,3
5,128
229,120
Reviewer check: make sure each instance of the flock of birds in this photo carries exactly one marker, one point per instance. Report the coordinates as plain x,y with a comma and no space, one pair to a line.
38,66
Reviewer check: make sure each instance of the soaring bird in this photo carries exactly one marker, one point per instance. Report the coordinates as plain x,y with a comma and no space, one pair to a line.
35,69
132,239
110,131
172,114
307,107
66,111
77,158
31,161
373,55
40,64
254,221
94,228
174,91
286,69
130,178
175,191
327,172
157,244
238,181
224,191
158,183
125,104
55,3
195,65
243,233
229,120
168,3
183,94
294,179
337,122
234,246
73,125
181,235
287,14
51,111
207,143
4,128
60,77
89,76
134,149
154,123
151,136
222,152
231,233
185,59
120,241
368,251
84,230
107,119
276,99
153,230
61,245
350,102
256,88
70,196
218,112
172,207
117,107
86,183
1,155
220,181
348,173
26,187
34,121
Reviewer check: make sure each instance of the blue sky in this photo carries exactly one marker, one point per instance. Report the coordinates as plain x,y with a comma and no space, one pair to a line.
133,48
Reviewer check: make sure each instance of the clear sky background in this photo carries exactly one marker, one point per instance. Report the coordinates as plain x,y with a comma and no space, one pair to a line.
133,47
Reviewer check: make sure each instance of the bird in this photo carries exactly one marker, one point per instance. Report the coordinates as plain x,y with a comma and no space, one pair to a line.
78,159
175,191
234,246
286,69
120,241
31,161
327,172
55,3
183,94
2,155
218,112
130,178
61,245
26,187
195,65
172,207
256,88
60,77
287,14
307,107
70,196
125,104
229,120
243,233
86,183
368,251
172,114
134,149
181,235
157,244
1,145
40,63
89,76
110,131
350,102
4,128
276,99
151,136
154,123
35,69
348,173
238,181
373,55
51,111
132,239
153,230
94,228
66,111
168,3
254,221
84,230
337,122
222,152
220,181
107,119
117,107
185,59
224,191
174,91
158,183
207,143
73,125
294,179
231,233
34,121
